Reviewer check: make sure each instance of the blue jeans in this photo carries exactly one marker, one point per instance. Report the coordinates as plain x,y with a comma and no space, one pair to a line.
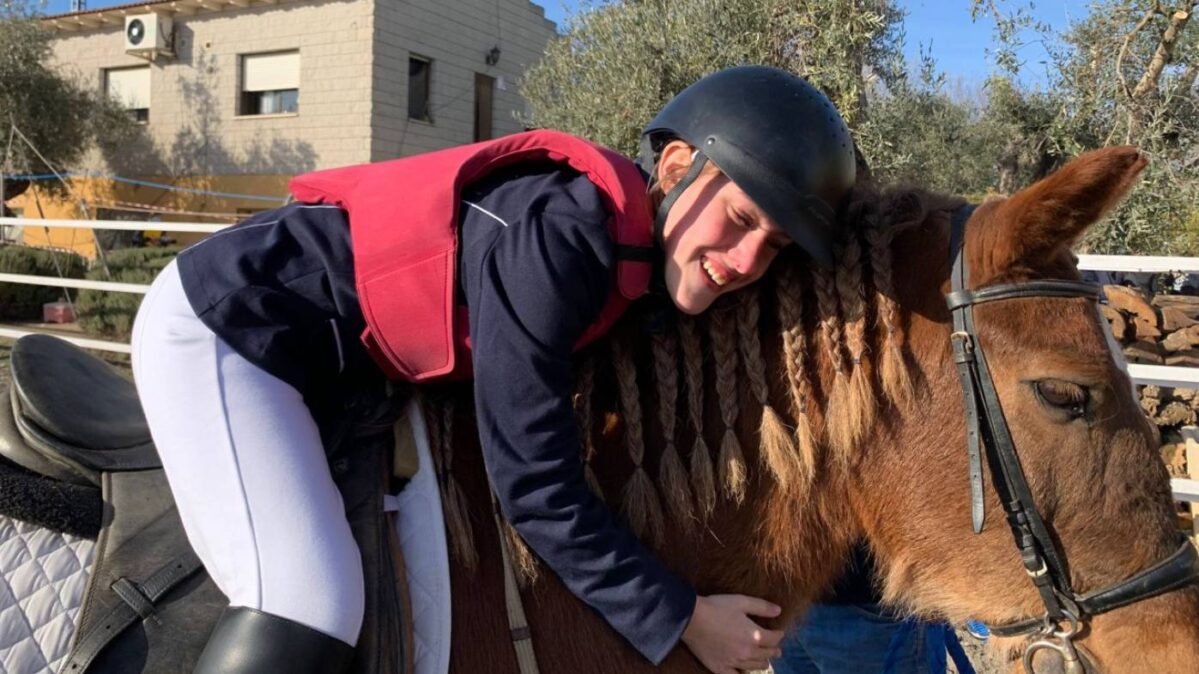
864,639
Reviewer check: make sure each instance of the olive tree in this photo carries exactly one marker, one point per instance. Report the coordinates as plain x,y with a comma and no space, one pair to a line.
617,63
43,107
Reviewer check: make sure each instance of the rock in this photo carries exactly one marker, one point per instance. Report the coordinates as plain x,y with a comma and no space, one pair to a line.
1175,458
1145,329
1188,358
1187,304
1150,406
1143,351
1151,391
1174,318
1174,414
1116,320
1131,301
1183,394
1181,340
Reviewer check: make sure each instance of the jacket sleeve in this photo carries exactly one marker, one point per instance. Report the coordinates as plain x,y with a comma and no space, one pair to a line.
533,293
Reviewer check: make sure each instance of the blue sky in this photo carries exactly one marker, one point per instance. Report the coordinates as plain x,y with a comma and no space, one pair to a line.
958,45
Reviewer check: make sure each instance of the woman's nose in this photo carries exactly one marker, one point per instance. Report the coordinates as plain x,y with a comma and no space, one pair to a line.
748,252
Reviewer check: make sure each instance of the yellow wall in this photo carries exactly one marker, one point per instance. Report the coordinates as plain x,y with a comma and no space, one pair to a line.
100,193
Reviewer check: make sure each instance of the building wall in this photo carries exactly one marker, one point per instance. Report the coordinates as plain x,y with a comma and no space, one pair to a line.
353,97
194,128
455,36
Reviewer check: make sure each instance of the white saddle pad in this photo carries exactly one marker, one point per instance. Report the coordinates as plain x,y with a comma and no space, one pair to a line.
41,591
421,530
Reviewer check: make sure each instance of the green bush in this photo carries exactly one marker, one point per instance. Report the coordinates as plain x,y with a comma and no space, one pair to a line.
111,314
22,302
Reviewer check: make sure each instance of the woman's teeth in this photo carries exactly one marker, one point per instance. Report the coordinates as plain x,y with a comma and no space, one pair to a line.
714,275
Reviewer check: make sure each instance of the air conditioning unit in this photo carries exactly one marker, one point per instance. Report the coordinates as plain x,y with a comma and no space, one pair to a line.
149,35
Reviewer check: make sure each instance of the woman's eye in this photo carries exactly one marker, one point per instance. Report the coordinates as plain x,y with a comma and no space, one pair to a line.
1066,396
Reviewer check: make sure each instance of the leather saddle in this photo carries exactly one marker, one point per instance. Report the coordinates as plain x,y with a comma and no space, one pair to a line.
77,426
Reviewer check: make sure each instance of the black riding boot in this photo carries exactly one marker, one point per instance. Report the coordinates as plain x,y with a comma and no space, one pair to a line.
246,641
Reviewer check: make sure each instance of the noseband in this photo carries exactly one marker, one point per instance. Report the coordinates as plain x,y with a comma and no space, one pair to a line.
987,434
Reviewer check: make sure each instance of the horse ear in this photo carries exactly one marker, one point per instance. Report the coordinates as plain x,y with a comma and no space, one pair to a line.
1053,213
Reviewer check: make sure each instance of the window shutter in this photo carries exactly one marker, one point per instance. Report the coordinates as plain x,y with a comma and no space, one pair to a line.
130,86
271,72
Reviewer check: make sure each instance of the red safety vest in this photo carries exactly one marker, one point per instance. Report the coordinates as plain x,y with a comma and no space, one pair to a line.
403,227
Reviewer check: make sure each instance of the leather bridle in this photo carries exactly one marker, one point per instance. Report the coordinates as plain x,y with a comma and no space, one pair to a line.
988,435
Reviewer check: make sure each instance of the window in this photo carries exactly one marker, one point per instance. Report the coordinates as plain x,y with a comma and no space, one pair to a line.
10,233
270,83
130,88
418,88
484,95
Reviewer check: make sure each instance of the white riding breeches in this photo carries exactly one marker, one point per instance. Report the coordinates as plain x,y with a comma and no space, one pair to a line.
248,471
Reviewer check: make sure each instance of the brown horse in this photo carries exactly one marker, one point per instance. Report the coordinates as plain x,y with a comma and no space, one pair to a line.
834,408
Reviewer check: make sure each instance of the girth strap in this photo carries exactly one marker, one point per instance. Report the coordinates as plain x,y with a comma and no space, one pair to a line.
518,623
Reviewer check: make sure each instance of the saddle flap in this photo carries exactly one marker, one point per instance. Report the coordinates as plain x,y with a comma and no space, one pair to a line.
75,396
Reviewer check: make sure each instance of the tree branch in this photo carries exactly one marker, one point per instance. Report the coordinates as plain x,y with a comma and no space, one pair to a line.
1188,79
1153,11
1164,53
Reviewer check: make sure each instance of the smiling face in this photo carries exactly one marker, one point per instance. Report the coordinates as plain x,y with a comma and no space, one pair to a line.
716,239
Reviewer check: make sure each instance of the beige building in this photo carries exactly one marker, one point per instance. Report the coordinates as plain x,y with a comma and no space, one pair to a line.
236,96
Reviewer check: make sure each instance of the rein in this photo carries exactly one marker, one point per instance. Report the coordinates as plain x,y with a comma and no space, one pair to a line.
988,436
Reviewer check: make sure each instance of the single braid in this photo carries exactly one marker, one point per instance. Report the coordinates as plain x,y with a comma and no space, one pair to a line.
703,479
731,465
777,452
896,380
851,294
837,421
582,404
641,505
795,346
671,474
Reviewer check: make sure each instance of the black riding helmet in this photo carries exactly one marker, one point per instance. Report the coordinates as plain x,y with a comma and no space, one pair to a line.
775,136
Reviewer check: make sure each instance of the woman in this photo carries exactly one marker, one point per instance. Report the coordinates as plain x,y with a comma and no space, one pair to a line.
540,240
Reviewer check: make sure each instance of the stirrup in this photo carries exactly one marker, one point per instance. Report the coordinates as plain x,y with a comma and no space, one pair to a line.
247,641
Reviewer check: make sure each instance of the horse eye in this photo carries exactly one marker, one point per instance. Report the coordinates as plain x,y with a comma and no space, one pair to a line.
1066,396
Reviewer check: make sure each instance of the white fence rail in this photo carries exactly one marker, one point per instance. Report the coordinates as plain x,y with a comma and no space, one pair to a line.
122,225
1138,263
112,286
1160,375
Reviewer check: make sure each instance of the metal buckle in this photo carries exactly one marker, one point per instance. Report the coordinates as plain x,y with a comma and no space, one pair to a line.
964,337
1055,637
1037,573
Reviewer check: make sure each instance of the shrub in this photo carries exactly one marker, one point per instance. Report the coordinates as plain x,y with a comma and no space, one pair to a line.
111,314
24,302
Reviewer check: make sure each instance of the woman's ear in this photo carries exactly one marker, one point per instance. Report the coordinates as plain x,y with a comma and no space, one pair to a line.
673,164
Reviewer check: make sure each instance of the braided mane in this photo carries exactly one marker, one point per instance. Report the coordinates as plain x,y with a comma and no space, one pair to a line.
791,373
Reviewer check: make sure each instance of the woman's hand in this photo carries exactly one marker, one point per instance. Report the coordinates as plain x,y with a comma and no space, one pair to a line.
726,640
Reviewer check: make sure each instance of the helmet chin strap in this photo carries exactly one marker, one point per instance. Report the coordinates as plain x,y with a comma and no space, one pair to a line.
698,159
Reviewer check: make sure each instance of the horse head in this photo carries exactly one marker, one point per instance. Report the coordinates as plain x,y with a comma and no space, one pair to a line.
1085,448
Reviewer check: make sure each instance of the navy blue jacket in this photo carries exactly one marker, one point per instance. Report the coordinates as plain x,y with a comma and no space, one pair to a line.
536,264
